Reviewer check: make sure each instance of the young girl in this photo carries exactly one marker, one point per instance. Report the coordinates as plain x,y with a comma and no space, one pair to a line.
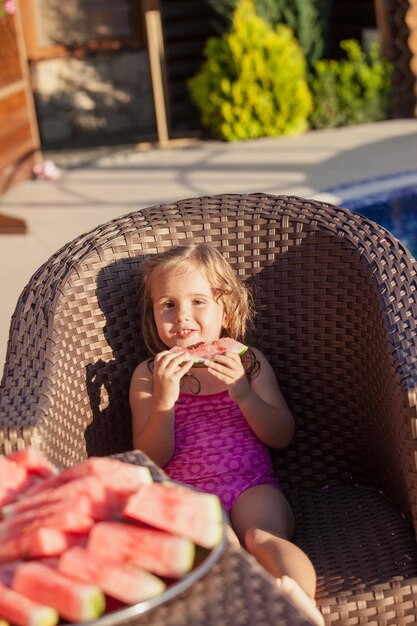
211,427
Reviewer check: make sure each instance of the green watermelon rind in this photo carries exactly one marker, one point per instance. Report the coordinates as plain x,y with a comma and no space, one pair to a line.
35,613
49,587
98,605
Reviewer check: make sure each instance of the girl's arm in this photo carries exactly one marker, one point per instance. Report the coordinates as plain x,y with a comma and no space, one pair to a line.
152,397
259,399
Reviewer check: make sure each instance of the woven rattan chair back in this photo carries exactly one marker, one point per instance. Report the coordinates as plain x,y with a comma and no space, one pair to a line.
319,322
336,302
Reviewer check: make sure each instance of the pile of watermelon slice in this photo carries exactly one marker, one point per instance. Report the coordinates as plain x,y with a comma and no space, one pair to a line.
102,534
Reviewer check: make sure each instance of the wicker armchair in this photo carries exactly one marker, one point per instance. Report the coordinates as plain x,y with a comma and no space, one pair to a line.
337,301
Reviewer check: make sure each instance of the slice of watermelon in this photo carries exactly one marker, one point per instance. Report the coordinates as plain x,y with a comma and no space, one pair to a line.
22,611
14,480
73,515
74,601
191,514
123,582
37,543
155,550
89,486
33,461
114,474
208,350
118,476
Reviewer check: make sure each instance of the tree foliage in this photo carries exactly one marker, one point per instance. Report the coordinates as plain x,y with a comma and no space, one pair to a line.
253,82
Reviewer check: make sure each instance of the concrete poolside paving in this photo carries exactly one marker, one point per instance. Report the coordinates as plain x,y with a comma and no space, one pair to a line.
126,179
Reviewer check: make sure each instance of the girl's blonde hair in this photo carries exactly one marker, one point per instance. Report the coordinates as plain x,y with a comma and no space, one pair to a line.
226,286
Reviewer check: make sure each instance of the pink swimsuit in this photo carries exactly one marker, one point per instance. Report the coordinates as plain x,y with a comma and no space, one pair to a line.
216,450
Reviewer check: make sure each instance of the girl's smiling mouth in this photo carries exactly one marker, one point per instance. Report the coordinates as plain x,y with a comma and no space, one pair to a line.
184,332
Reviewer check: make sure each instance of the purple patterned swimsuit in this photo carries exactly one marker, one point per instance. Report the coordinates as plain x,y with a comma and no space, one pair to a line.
216,450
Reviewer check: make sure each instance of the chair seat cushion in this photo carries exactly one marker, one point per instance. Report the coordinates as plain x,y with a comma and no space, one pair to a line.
364,551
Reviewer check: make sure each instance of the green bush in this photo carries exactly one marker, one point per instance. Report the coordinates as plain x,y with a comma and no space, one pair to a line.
308,19
352,90
253,81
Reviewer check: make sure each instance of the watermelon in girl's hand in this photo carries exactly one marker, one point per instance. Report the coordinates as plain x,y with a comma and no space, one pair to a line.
152,549
123,582
22,611
195,515
206,350
74,601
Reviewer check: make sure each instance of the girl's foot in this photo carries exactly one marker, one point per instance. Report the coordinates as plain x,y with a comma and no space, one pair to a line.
300,599
277,556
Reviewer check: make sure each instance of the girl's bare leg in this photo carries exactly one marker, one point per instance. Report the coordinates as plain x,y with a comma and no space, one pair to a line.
264,523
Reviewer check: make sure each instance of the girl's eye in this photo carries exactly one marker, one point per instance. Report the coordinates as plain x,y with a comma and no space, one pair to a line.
198,302
167,305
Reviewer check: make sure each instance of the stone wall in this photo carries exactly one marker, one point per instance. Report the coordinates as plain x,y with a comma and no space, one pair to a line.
95,99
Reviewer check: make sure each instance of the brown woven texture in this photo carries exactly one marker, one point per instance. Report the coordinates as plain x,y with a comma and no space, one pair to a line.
336,301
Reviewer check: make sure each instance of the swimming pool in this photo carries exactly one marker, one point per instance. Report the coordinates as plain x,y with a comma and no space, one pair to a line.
390,201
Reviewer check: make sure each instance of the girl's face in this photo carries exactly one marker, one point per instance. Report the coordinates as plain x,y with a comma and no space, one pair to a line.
184,309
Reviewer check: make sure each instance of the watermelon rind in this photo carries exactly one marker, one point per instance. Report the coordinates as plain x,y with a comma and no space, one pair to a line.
74,601
150,548
45,616
126,583
94,603
23,611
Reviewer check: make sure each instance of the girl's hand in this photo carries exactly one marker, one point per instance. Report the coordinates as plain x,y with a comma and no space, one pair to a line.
169,368
229,369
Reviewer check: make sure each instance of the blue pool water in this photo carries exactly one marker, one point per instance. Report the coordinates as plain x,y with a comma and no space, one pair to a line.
396,211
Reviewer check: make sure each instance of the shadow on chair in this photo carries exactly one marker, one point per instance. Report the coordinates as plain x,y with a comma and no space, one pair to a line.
118,296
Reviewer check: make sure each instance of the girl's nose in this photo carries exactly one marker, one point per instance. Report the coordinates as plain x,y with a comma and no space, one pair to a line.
183,313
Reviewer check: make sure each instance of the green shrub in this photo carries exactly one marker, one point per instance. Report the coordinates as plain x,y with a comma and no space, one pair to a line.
352,90
308,19
253,82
